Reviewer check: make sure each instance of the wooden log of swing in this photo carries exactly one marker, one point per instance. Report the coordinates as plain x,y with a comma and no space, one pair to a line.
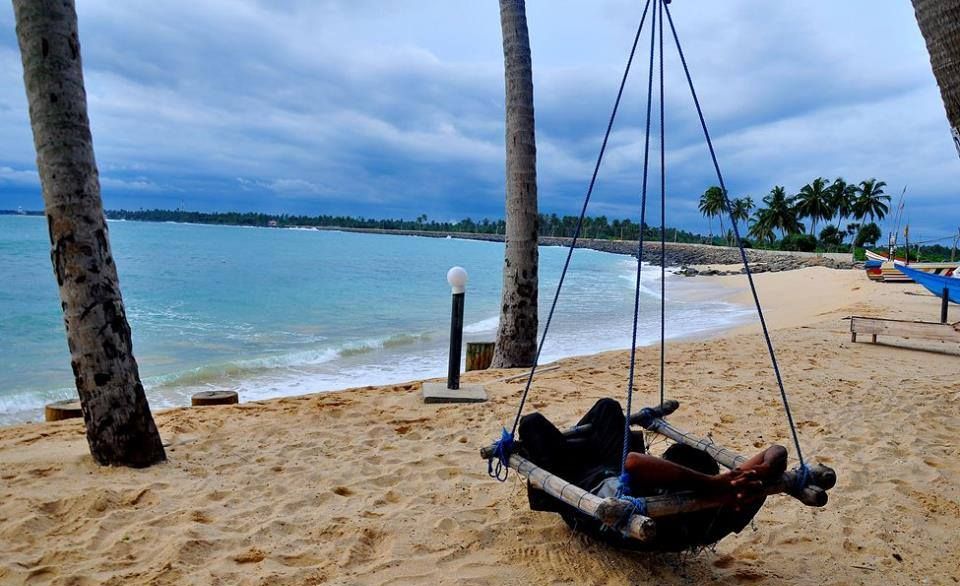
822,478
610,510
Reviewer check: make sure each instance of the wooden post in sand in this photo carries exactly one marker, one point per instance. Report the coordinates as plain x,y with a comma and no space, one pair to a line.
60,410
479,355
944,303
206,398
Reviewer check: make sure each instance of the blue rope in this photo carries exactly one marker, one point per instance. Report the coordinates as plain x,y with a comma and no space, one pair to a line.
636,298
623,488
583,212
639,508
663,222
501,454
736,231
802,479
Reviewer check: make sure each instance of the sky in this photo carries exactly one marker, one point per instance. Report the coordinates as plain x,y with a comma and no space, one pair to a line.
394,108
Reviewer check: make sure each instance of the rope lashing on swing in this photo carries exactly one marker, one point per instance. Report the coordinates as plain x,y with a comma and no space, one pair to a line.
803,478
576,236
499,465
638,507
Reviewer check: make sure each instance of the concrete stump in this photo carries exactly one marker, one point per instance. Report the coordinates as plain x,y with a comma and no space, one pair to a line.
60,410
206,398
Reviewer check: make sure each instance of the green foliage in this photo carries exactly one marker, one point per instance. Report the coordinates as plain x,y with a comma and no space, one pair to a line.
780,213
713,203
867,234
871,201
815,201
831,236
548,225
801,242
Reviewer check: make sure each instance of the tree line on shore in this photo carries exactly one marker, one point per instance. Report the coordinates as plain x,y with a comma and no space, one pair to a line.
783,212
598,227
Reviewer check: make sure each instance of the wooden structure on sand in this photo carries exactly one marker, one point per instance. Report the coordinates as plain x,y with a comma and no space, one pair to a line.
921,330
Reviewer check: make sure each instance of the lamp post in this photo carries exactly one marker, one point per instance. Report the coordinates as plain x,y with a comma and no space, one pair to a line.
457,278
451,391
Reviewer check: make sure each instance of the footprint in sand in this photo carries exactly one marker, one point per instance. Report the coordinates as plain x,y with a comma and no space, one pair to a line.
370,545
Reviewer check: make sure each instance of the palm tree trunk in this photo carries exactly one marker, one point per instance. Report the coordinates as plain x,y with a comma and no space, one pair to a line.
517,333
120,428
939,22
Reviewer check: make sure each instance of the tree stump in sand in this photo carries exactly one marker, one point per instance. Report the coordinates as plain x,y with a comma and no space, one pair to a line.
479,355
214,398
59,410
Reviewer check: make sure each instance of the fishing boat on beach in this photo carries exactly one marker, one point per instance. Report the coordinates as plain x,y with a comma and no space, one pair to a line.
871,255
890,271
874,270
880,268
939,285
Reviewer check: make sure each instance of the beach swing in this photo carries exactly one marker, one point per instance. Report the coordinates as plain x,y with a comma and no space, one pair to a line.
622,519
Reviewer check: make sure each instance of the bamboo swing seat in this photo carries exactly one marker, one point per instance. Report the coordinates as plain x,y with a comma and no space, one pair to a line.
654,522
620,514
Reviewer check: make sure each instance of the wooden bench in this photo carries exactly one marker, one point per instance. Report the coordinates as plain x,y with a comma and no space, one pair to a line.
921,330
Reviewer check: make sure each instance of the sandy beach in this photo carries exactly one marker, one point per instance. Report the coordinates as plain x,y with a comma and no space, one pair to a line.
371,486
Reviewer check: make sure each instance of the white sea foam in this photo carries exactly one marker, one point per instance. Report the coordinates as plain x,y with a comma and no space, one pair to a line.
288,334
483,326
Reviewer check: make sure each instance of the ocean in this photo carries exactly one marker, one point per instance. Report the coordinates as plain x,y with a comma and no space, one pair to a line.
276,312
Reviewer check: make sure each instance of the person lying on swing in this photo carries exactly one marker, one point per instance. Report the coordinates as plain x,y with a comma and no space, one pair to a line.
592,462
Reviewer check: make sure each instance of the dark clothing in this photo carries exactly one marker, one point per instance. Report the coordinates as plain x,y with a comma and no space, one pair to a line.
587,459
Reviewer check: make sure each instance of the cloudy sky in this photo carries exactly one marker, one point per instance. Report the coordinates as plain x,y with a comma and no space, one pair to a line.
393,108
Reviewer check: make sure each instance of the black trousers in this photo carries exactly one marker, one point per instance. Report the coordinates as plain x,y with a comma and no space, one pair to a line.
585,459
581,458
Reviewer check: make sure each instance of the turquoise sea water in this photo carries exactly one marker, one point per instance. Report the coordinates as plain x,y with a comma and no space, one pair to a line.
280,312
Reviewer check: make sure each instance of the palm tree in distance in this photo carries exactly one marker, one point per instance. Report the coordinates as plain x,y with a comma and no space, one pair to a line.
844,195
782,214
713,204
871,200
814,202
761,227
741,208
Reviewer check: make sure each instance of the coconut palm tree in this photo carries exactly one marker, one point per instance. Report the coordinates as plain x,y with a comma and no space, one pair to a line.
516,343
741,208
871,200
843,196
120,429
762,227
814,202
713,204
783,214
939,22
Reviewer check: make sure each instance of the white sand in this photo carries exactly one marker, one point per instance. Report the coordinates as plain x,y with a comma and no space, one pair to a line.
371,486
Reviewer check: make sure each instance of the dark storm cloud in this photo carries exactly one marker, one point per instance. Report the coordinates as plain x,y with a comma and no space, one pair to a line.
395,108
